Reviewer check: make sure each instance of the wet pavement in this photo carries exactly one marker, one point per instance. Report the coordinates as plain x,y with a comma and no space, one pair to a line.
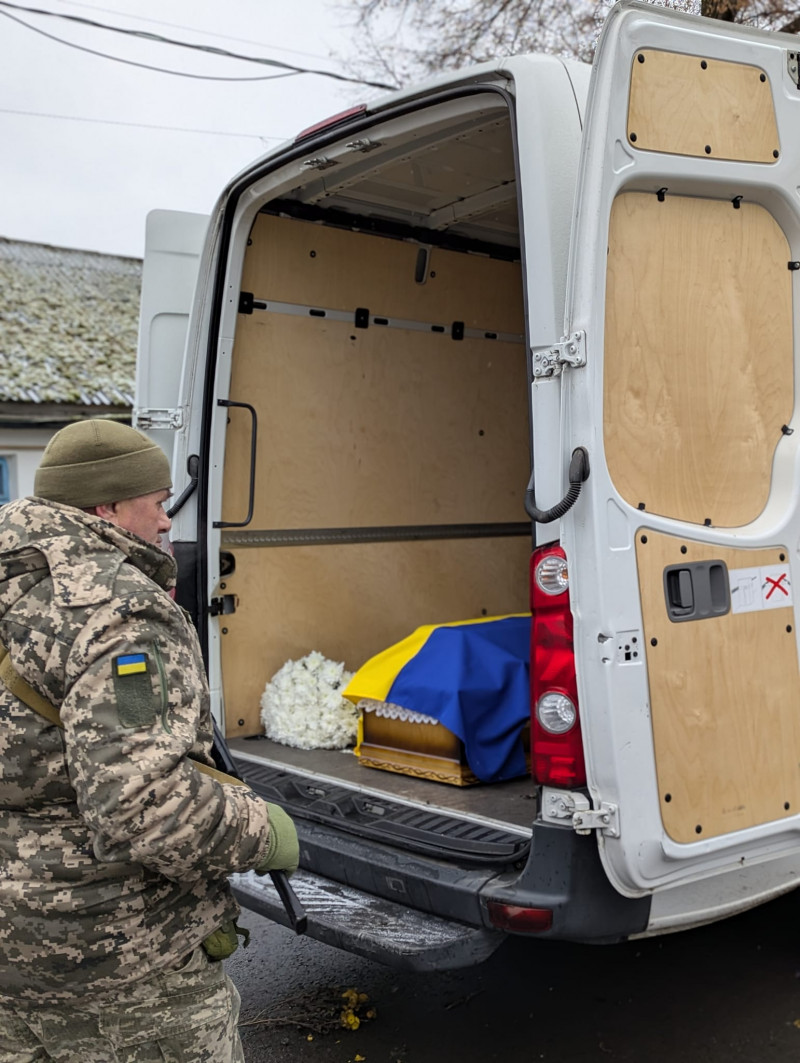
728,992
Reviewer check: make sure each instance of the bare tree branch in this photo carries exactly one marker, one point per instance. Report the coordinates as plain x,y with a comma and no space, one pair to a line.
411,38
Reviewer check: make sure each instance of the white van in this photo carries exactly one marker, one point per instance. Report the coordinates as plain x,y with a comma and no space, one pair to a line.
395,319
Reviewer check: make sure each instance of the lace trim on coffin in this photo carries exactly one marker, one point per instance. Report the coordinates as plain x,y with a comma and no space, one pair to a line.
393,712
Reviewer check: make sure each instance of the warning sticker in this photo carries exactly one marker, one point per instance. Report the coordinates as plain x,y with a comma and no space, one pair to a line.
753,589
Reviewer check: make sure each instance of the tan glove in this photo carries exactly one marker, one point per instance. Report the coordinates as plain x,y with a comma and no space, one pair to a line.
283,849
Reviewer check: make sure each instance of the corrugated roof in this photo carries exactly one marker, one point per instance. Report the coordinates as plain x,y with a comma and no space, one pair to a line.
68,325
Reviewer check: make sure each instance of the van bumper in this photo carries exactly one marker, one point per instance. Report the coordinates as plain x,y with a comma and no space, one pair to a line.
371,926
564,875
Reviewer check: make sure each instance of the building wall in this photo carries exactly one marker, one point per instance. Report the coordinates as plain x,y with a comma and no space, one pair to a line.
21,449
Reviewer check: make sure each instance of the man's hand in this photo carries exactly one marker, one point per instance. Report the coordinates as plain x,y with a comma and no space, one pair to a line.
283,849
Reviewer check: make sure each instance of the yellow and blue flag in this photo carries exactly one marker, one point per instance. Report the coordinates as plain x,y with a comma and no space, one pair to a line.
472,676
131,663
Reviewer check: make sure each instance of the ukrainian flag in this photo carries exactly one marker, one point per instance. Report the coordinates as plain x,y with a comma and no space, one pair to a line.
472,676
131,663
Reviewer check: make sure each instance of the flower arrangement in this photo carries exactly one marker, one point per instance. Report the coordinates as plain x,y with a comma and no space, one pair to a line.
302,705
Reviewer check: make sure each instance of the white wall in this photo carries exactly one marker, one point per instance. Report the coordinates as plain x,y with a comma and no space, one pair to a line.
23,448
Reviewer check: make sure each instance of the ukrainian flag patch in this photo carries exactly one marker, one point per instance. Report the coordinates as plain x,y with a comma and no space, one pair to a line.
130,664
133,689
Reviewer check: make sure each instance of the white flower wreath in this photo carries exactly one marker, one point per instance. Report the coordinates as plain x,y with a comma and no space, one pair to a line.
302,705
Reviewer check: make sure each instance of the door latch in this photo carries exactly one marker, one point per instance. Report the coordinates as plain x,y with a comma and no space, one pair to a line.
550,361
566,806
223,605
158,419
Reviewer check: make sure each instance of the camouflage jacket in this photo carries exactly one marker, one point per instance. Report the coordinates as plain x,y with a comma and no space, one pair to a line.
114,849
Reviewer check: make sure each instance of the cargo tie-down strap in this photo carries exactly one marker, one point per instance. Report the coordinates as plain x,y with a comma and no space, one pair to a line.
22,689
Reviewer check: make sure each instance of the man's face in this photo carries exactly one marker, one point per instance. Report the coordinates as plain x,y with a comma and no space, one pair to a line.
144,516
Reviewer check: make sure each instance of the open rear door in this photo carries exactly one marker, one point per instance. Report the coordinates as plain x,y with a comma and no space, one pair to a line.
683,285
173,243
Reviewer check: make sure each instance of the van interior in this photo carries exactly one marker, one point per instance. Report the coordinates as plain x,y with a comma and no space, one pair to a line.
381,341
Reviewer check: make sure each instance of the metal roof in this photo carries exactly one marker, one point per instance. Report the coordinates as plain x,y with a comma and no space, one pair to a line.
68,325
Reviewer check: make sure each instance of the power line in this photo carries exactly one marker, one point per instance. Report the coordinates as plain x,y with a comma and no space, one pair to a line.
142,66
192,29
139,125
158,38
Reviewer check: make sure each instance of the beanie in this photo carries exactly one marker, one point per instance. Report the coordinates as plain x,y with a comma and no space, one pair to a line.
93,463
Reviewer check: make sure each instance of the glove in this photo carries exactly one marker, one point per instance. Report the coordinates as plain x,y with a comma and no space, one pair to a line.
283,849
224,942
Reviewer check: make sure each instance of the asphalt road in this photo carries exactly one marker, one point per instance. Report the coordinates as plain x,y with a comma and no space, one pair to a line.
729,992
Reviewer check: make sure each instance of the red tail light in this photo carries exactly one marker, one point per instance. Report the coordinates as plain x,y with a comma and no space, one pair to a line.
521,920
556,743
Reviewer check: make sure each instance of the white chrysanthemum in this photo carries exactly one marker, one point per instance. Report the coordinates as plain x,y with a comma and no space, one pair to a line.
302,705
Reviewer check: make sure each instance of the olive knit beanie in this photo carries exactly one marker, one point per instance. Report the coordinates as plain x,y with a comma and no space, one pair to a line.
93,463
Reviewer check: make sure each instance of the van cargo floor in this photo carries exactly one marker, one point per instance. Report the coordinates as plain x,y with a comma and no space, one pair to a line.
510,804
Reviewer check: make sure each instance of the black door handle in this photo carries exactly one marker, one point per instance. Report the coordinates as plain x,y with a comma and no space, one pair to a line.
254,430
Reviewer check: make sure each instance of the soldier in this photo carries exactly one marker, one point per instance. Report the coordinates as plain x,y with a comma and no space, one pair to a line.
114,847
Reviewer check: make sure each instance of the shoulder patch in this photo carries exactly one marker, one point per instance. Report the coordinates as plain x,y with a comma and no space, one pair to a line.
131,663
137,705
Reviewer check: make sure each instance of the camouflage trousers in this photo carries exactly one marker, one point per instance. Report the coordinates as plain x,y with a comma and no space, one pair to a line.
188,1015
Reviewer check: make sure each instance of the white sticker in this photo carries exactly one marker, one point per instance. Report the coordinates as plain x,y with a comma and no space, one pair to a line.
760,588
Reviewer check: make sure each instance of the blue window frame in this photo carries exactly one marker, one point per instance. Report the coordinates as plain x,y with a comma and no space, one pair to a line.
5,481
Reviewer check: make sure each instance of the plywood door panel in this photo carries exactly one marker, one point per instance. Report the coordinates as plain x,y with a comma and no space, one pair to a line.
350,602
724,699
375,427
690,105
305,263
698,363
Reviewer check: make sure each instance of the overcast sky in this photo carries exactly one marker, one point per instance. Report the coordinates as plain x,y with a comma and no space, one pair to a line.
87,177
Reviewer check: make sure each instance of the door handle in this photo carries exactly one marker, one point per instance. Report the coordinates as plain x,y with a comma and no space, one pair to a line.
253,433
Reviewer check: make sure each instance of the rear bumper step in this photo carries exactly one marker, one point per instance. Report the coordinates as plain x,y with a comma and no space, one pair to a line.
370,926
424,831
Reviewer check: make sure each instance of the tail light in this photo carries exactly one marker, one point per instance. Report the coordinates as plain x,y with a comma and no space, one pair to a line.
520,920
556,740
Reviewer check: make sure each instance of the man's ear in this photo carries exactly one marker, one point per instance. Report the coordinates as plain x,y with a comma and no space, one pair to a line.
108,511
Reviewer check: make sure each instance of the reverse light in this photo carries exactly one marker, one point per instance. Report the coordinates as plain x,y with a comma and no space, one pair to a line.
556,739
551,574
556,713
520,920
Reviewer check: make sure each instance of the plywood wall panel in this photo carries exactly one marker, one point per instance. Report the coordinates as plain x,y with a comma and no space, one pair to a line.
691,105
314,265
698,362
362,428
350,602
724,699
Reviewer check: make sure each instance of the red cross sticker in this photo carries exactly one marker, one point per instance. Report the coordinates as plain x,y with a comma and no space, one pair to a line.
776,585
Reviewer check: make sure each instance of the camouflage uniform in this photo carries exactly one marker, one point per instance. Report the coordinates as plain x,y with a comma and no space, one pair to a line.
188,1015
114,848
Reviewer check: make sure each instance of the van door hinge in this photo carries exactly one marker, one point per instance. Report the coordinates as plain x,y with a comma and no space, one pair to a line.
224,605
550,361
157,419
562,806
793,66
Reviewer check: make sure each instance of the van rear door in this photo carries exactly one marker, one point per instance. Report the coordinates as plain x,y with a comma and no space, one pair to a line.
173,242
682,296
